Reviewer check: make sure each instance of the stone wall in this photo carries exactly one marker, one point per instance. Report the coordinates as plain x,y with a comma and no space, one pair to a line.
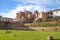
16,25
20,26
46,28
11,25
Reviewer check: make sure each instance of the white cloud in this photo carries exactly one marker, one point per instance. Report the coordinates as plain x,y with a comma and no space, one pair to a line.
40,2
12,13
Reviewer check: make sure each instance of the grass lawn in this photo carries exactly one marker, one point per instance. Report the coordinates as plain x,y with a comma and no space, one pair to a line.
28,35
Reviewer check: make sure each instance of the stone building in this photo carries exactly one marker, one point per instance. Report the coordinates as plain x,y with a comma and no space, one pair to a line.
20,15
28,14
35,15
23,15
4,19
39,16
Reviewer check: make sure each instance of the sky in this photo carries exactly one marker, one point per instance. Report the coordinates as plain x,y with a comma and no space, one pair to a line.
9,8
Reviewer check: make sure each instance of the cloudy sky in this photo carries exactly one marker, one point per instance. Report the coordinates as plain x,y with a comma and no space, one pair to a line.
8,8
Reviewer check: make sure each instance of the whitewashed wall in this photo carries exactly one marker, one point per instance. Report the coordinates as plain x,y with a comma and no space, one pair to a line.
40,15
56,13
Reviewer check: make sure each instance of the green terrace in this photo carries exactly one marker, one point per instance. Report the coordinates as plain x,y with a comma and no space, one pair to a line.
28,35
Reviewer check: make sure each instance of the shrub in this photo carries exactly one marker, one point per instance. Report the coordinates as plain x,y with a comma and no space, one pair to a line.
56,29
45,24
6,32
14,35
